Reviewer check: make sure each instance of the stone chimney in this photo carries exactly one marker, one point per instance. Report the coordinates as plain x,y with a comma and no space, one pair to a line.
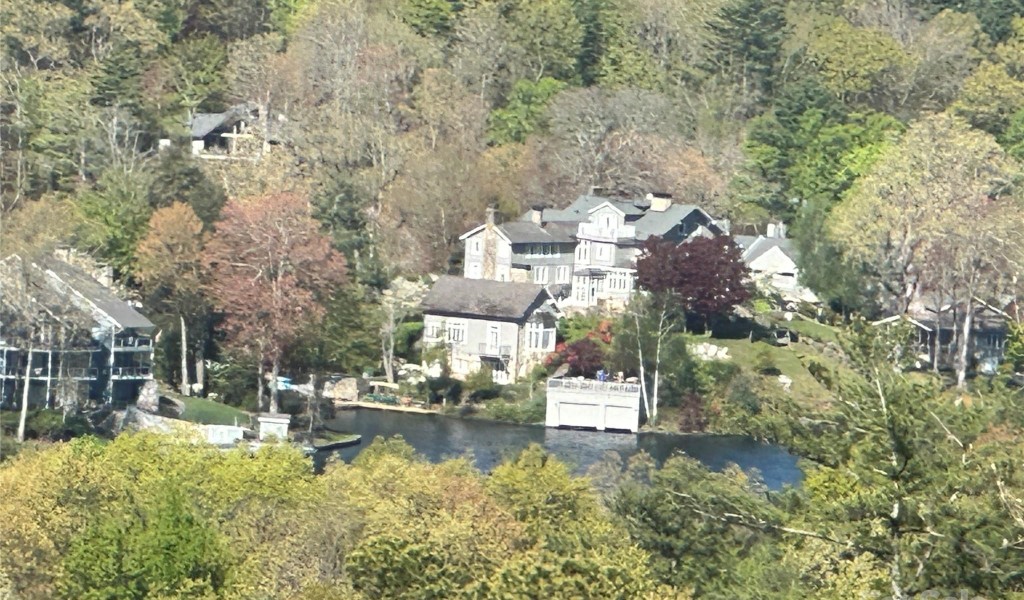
596,190
490,216
537,214
660,201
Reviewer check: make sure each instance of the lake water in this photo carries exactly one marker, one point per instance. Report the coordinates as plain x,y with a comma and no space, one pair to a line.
438,437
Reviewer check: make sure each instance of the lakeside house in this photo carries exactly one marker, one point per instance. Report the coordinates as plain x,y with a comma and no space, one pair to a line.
772,260
939,327
585,254
66,338
505,327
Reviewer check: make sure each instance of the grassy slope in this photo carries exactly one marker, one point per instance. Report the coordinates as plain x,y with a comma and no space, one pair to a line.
208,412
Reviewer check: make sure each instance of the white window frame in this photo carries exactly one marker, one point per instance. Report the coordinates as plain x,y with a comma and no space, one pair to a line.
563,274
455,331
434,332
540,274
533,335
583,251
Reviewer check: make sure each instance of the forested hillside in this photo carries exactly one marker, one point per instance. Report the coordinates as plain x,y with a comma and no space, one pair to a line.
885,132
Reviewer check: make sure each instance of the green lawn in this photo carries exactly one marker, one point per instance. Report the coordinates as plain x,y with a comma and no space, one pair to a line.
812,329
787,359
208,412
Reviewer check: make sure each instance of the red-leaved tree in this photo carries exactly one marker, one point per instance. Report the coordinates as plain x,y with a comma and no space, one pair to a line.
702,276
705,276
268,267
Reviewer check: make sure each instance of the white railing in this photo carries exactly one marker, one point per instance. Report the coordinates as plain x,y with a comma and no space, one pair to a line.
131,372
593,385
596,232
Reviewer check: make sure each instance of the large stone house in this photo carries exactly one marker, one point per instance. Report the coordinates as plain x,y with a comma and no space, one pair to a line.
529,250
506,327
585,253
772,260
67,338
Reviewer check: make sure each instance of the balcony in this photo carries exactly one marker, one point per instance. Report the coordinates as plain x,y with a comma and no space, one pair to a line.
133,343
81,373
592,231
490,350
131,373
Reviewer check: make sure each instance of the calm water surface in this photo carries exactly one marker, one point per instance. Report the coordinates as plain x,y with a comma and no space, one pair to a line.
438,437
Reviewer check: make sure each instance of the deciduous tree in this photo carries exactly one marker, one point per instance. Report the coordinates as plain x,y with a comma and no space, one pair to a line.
169,268
269,268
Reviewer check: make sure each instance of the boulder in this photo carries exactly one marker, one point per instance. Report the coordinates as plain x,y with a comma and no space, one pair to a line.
149,398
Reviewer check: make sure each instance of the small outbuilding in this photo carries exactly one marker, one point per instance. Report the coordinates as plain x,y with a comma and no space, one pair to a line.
592,404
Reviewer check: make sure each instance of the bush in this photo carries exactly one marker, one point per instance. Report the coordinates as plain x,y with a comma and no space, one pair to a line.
764,362
577,327
234,382
45,424
443,389
585,357
479,385
524,411
692,414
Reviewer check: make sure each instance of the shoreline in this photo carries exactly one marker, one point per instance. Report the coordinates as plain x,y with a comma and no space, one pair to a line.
351,405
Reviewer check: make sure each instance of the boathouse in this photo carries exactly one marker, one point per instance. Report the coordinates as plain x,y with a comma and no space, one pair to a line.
592,404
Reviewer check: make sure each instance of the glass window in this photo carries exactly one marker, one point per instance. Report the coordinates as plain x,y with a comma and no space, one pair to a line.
540,274
456,332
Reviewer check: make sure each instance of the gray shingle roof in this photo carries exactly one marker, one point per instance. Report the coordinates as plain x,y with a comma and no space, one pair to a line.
578,210
98,296
483,298
760,245
67,290
521,232
660,223
205,123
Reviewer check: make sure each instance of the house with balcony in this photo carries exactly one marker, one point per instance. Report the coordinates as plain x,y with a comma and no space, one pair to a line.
65,338
585,254
524,251
505,327
609,235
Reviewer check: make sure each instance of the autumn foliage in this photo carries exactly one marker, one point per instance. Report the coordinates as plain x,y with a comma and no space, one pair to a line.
269,267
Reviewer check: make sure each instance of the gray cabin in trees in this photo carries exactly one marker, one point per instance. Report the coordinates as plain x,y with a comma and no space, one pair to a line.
505,327
68,338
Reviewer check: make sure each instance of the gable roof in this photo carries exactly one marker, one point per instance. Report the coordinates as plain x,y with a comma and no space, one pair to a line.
581,207
522,232
59,282
500,300
761,245
658,223
203,124
525,232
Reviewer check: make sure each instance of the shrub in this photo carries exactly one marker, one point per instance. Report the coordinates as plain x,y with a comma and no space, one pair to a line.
443,388
585,357
479,385
764,362
692,415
